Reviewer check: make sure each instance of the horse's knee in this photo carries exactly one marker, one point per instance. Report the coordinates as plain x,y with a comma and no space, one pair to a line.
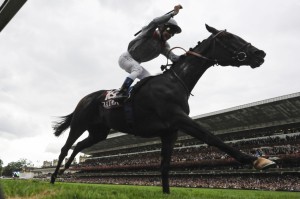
63,153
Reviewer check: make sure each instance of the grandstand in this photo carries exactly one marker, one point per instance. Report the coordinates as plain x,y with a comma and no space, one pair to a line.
271,114
269,128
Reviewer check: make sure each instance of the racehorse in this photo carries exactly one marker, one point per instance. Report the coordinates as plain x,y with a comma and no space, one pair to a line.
160,107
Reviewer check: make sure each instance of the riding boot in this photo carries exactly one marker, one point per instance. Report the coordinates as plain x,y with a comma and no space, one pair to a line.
123,92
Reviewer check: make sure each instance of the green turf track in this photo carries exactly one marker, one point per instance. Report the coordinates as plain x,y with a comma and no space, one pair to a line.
32,189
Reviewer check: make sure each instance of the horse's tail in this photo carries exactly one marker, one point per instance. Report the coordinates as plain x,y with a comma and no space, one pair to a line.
60,126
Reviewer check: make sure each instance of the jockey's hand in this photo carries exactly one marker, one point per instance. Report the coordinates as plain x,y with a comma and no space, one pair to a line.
176,9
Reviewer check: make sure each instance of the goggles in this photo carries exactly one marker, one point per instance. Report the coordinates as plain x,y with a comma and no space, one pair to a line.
171,31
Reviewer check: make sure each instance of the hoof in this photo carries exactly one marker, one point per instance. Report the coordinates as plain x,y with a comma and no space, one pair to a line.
263,163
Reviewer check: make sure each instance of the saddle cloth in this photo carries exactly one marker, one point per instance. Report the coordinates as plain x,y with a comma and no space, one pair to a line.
108,102
108,96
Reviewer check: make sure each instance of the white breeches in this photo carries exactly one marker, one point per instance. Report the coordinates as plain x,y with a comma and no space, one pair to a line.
132,67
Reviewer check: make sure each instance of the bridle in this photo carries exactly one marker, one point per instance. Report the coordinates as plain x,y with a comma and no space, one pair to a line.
238,55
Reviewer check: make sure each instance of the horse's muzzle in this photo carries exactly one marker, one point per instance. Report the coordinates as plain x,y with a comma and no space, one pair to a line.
258,58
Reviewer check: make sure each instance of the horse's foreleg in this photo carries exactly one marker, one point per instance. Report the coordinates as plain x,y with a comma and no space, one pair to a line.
189,126
168,142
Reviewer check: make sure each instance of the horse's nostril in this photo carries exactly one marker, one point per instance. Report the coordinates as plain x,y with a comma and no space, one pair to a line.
260,53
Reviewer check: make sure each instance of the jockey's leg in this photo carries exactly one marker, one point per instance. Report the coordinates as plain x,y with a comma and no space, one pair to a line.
131,66
143,74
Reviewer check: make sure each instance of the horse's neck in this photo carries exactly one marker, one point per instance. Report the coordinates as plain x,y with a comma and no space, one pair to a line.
191,70
193,67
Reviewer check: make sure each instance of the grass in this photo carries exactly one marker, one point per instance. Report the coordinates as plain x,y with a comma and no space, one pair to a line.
33,189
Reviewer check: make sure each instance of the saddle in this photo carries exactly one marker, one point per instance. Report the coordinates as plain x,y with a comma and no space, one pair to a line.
108,101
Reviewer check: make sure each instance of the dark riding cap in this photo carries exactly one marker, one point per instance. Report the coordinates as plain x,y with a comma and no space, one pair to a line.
173,25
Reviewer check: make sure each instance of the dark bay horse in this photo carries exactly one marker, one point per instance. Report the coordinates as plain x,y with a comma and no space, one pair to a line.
160,107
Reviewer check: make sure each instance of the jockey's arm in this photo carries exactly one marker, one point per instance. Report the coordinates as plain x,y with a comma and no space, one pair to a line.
155,23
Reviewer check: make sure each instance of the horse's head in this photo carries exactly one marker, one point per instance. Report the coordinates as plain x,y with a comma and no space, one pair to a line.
230,49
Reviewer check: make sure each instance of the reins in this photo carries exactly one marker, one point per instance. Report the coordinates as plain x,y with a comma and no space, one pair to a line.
182,83
164,67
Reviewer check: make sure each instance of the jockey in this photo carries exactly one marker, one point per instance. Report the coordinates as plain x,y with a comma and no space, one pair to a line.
151,42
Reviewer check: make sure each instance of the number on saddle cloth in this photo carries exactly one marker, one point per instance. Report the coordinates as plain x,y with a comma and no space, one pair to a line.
108,101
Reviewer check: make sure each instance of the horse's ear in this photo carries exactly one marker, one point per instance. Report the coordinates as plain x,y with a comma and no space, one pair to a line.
211,29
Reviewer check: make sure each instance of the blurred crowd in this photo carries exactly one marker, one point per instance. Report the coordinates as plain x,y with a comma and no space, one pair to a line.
259,182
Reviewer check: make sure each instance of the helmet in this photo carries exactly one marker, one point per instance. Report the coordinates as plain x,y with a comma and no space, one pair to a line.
173,24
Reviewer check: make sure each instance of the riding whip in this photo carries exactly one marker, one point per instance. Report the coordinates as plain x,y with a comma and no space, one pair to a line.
165,14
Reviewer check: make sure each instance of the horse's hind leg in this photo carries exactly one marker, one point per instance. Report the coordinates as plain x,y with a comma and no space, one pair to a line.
97,133
73,136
